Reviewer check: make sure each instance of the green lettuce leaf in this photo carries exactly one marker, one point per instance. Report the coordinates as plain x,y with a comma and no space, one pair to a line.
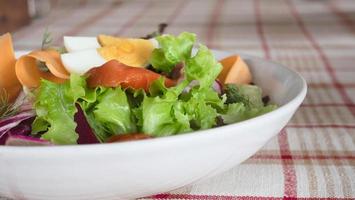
203,107
171,114
244,102
233,95
209,96
253,93
157,88
250,95
163,117
110,113
55,109
237,112
39,124
106,109
169,111
203,67
201,115
172,50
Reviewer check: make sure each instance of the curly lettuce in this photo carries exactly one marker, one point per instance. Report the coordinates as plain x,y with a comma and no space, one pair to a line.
106,109
244,102
110,113
172,51
169,111
237,112
55,109
203,67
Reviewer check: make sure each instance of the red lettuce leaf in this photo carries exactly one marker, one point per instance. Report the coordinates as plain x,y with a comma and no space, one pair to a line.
86,135
19,124
22,140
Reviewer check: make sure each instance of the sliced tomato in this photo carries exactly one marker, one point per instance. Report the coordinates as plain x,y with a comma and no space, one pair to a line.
114,74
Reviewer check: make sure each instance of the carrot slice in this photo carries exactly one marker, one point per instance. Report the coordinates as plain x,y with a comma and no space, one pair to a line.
30,75
114,73
234,71
8,79
53,62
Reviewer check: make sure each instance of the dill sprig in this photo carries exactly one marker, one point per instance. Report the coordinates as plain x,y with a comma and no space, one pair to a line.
160,31
7,108
234,96
47,39
46,44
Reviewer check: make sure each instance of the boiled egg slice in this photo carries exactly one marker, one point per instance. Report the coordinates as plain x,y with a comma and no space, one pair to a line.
131,52
107,40
82,61
73,44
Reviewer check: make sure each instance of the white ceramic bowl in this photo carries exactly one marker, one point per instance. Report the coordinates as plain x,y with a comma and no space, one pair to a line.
140,168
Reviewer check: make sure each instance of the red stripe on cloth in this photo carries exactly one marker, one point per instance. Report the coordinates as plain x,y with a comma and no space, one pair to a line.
290,182
320,126
303,157
176,12
213,23
345,19
230,197
210,197
135,18
260,29
322,56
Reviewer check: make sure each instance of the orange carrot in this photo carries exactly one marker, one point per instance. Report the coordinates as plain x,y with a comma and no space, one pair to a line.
114,73
53,62
30,75
234,71
8,79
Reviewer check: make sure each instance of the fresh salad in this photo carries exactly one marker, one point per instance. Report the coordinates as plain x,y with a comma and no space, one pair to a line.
113,89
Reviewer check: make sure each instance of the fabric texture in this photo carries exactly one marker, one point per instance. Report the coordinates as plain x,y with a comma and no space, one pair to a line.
314,156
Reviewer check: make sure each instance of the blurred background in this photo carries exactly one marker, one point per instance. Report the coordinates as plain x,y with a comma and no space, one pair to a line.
251,26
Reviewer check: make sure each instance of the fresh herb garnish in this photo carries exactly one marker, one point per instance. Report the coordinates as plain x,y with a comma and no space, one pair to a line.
234,96
7,108
47,40
42,66
161,29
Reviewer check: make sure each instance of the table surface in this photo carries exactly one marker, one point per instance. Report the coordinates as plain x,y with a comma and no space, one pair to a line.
315,154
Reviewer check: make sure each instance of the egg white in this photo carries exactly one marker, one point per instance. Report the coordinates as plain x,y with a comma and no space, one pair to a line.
82,61
74,44
83,55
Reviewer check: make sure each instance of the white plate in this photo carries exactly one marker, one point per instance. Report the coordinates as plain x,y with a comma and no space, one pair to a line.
141,168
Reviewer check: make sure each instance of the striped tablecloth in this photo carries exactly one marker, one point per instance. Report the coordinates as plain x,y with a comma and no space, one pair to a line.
314,156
